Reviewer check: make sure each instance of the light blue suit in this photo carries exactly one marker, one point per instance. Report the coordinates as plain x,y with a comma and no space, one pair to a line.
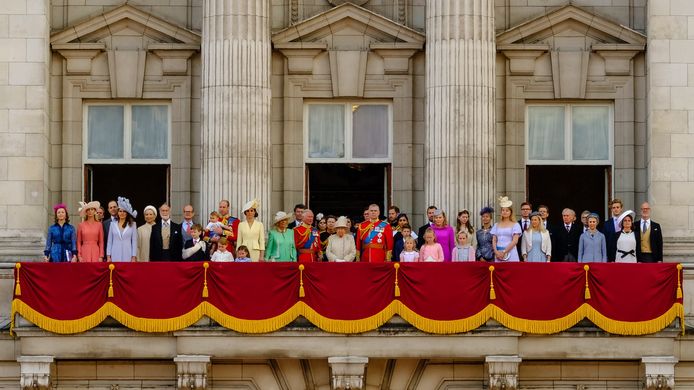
122,245
592,248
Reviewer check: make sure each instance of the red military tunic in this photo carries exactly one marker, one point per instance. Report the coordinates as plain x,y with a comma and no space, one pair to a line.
307,242
231,235
374,241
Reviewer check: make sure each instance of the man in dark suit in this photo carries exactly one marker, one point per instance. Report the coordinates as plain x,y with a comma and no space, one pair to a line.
298,215
611,229
566,237
166,242
423,228
113,216
649,237
524,223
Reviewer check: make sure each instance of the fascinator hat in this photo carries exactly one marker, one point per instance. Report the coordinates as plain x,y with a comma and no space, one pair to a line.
504,201
253,204
86,206
60,206
124,204
486,210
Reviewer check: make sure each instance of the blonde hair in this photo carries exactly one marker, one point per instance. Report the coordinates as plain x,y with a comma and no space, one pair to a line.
410,239
511,217
430,230
541,228
467,235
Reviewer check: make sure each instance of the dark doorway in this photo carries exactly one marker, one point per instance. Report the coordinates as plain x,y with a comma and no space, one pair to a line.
574,186
346,189
142,184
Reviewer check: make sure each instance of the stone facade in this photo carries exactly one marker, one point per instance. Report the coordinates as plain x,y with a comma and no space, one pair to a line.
59,56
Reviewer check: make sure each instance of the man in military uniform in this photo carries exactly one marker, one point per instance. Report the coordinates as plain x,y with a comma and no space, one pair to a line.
374,238
230,226
307,239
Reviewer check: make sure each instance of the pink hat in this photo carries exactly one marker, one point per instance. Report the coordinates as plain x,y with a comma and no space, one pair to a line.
60,206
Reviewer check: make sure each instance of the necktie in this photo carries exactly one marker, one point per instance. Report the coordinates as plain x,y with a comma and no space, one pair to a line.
525,225
166,224
188,227
645,226
568,228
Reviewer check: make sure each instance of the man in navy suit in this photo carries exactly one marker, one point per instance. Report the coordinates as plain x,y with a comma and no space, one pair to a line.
566,237
524,223
611,229
649,237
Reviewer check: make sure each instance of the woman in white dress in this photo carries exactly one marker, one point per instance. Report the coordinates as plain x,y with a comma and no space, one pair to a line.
252,232
626,242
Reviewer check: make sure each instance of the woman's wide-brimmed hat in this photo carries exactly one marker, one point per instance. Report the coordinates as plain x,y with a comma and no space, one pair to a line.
504,201
253,204
341,223
281,216
624,215
124,204
86,206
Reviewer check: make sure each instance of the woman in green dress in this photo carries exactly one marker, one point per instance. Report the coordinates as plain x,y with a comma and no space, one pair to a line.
280,243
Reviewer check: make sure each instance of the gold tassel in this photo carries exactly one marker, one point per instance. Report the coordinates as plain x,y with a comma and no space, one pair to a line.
586,295
492,294
17,288
679,281
205,292
110,280
397,288
302,293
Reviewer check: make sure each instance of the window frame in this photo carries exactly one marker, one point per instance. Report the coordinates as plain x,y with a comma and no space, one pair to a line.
127,133
568,133
349,132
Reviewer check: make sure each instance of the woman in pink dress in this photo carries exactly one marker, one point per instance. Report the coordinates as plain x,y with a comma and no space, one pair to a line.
445,235
90,234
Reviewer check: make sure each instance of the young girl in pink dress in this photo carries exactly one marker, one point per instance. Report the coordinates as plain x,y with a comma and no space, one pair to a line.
431,250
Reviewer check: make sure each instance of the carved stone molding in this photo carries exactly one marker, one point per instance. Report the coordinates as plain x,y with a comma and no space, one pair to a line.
503,372
660,372
191,371
357,2
347,372
35,372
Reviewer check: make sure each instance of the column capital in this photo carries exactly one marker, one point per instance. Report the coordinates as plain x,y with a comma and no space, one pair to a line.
35,372
503,371
659,372
347,372
191,371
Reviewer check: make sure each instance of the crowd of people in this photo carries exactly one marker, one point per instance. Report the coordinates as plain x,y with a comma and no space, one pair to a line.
312,238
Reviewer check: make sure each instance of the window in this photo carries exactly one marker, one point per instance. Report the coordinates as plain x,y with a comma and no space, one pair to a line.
127,133
561,134
348,132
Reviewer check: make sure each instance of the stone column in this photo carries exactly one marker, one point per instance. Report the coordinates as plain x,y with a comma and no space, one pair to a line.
236,104
35,372
24,65
670,121
503,372
460,140
659,372
191,371
347,372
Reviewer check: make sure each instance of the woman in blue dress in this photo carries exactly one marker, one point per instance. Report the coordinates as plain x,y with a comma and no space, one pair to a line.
592,246
536,245
485,250
61,241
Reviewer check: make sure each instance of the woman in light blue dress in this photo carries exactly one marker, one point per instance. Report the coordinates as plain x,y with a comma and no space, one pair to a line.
592,246
122,235
536,246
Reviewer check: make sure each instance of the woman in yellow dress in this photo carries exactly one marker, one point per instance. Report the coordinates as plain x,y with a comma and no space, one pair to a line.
251,232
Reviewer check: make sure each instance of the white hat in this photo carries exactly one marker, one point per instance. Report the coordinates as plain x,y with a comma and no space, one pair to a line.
341,222
624,214
86,206
504,201
150,207
253,204
281,216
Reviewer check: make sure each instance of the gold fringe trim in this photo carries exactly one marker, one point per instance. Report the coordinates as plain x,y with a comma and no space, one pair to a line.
349,326
538,326
586,294
679,281
397,288
252,326
636,328
443,327
17,287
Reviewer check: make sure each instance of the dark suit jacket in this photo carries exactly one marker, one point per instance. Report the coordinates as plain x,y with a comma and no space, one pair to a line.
156,252
293,224
611,238
656,240
564,242
420,234
200,255
520,239
107,226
